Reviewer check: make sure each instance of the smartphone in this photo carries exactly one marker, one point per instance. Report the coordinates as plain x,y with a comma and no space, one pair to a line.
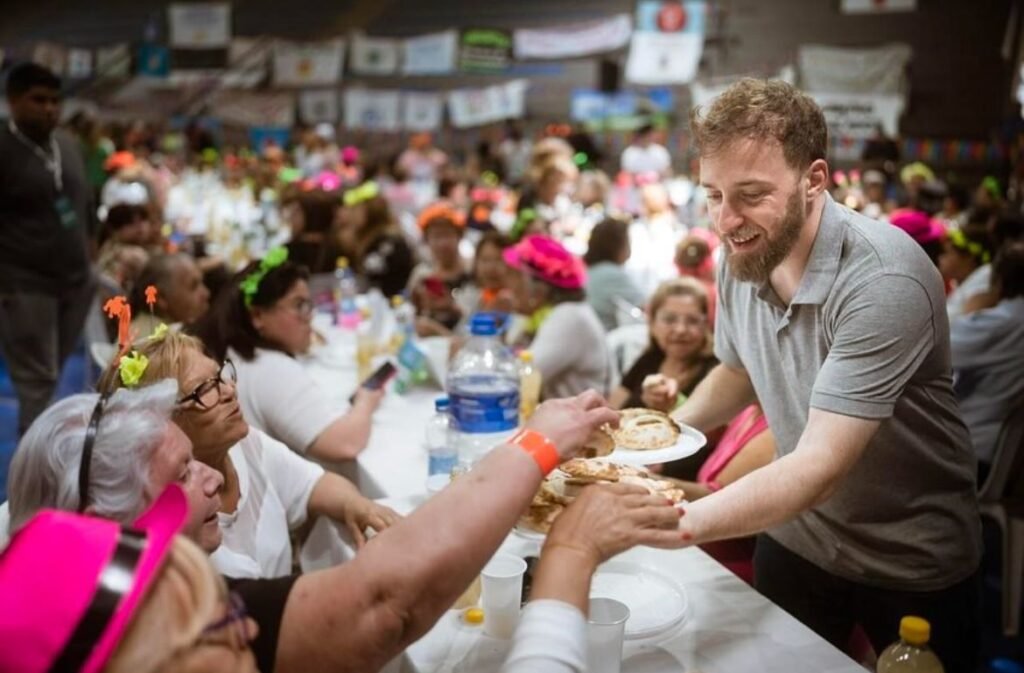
378,379
531,566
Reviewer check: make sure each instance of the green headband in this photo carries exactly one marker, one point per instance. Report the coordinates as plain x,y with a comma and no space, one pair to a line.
959,241
364,192
274,258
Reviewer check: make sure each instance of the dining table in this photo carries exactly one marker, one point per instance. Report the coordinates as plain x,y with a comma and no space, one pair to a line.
724,625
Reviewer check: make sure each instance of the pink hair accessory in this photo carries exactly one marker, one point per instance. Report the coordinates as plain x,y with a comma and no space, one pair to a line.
547,259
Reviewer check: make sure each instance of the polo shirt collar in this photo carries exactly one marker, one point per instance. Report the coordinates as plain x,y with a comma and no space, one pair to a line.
822,264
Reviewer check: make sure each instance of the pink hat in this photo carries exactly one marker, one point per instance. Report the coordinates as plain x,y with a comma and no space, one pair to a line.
921,227
547,259
71,584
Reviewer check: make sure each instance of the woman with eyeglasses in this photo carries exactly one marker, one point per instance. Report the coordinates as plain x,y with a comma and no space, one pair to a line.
268,491
262,322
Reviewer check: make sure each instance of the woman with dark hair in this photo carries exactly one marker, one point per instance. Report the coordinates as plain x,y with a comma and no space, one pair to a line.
607,282
372,241
568,341
312,223
261,323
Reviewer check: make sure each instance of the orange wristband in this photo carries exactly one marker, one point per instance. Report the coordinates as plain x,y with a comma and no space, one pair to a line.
539,447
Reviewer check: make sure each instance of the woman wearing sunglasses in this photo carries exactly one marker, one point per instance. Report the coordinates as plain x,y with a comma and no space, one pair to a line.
262,323
268,490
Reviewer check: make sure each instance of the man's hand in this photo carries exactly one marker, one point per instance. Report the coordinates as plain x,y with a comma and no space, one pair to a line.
569,421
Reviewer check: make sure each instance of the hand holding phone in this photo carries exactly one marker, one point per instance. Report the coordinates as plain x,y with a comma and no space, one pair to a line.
377,380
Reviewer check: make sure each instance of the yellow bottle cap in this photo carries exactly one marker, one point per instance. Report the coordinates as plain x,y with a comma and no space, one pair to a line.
526,356
473,616
397,301
915,630
341,263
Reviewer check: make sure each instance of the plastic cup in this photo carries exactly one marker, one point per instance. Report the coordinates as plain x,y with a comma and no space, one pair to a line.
606,627
502,593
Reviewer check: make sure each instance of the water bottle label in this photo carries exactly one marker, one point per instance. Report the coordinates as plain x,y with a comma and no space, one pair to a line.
481,413
411,357
441,464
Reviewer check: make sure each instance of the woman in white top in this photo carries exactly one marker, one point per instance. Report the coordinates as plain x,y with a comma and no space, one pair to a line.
568,339
268,490
262,322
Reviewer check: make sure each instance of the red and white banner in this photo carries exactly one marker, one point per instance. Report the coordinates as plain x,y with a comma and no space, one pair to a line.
572,40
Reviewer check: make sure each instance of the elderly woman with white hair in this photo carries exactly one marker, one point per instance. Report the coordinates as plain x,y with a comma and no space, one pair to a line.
64,461
387,597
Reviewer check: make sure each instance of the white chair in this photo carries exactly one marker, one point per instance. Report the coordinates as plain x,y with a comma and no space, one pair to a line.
625,345
1002,498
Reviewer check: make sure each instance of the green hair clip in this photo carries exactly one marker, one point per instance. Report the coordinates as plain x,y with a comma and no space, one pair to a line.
364,192
959,240
274,258
131,368
991,185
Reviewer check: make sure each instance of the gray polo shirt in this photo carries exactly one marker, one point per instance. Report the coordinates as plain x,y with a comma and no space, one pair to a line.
866,335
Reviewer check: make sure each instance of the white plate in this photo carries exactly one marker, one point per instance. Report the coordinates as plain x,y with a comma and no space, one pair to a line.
656,602
690,442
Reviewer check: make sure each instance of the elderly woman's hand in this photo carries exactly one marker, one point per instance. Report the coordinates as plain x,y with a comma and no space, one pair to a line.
569,421
364,513
608,519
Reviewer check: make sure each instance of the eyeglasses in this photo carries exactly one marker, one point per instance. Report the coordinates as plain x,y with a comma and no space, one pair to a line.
302,307
231,629
689,322
90,439
201,396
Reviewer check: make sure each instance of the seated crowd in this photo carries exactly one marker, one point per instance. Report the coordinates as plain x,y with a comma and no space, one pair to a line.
206,434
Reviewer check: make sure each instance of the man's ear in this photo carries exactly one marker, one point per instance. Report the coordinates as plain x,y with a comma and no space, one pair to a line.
817,178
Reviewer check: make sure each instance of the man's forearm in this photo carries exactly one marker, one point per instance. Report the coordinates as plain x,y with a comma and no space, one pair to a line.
717,399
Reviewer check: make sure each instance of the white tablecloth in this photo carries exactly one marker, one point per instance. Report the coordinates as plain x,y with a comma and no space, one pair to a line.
729,628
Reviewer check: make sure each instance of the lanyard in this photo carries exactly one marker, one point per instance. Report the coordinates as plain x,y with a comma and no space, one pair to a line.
51,161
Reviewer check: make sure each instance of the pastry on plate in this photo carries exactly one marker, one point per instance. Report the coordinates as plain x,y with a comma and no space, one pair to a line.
645,429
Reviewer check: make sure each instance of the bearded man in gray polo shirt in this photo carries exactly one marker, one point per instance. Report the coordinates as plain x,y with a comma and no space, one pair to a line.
837,324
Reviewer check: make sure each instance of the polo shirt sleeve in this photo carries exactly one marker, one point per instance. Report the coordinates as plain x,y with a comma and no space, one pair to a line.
881,333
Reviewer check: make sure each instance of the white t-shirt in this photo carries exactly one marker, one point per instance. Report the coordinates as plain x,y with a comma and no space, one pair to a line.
280,398
653,242
551,638
275,486
979,281
651,159
570,352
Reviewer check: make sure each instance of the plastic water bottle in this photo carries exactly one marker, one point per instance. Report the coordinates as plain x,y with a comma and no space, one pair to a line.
529,385
345,292
404,314
442,454
911,653
483,386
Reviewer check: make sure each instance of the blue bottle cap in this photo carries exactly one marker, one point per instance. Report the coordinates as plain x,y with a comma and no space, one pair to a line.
483,324
441,404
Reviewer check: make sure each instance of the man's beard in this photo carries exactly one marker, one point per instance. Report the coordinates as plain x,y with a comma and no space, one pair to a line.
755,267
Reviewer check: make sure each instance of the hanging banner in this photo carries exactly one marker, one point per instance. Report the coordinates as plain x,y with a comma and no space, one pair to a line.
422,111
487,50
621,108
52,56
857,116
308,63
154,60
316,107
79,63
245,108
262,137
876,6
248,58
199,25
432,54
572,40
372,110
475,107
113,61
373,55
668,42
875,70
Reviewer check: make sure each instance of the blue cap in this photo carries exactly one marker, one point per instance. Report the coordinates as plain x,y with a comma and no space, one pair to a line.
483,324
441,404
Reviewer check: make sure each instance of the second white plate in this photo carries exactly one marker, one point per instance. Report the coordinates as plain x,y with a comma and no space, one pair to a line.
690,442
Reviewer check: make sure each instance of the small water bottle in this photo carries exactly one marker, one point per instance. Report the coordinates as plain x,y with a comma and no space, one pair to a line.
345,292
483,386
442,454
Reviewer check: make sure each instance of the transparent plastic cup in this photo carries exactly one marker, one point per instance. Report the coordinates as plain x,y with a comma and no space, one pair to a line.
606,627
502,593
